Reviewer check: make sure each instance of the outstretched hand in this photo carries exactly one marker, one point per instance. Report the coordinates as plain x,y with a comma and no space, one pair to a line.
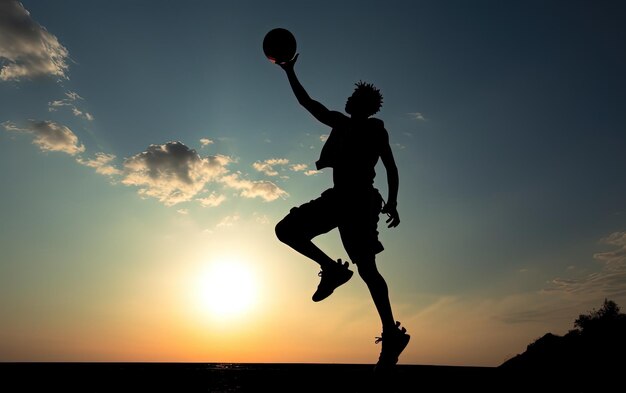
288,65
392,211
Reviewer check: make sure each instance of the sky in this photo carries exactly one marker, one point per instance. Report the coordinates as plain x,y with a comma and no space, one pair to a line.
148,148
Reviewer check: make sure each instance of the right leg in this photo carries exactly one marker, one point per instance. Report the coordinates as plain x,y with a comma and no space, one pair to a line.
300,226
289,231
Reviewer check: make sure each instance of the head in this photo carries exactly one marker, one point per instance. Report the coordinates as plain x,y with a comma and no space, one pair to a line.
365,101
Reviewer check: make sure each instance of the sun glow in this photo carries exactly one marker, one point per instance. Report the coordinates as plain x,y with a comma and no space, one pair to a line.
227,288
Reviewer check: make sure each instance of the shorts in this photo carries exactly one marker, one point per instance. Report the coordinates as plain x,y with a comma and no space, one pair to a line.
355,215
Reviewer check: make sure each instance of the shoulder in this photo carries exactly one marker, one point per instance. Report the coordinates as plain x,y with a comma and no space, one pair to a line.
376,122
337,119
378,126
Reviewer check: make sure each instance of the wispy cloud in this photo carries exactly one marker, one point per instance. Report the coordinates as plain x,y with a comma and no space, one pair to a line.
212,200
323,137
267,166
417,116
252,189
184,212
304,169
228,221
49,136
298,167
102,163
70,102
206,141
10,126
261,218
609,281
172,172
27,49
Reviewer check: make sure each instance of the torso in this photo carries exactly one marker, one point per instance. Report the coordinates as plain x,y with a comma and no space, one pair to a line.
352,150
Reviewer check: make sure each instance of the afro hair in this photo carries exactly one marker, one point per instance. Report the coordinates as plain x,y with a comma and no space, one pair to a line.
369,97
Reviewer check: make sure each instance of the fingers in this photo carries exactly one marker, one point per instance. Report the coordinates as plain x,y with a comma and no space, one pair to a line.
289,64
393,221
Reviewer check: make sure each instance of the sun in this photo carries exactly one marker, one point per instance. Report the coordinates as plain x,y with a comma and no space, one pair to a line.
227,288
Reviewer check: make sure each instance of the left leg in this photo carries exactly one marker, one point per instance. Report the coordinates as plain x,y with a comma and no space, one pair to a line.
359,235
378,289
394,338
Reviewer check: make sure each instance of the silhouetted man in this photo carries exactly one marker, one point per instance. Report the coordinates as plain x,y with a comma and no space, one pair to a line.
352,205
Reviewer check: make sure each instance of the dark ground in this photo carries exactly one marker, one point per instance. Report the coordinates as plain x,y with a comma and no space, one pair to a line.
225,377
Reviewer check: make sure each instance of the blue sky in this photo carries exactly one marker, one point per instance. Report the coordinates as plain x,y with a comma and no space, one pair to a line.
506,120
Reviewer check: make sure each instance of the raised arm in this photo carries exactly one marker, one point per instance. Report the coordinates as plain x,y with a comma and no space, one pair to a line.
319,111
393,182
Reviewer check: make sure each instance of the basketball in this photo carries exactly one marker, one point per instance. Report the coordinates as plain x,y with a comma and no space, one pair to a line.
279,45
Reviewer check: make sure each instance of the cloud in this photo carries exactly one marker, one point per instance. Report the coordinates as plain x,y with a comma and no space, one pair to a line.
323,137
609,281
10,126
49,136
102,164
261,218
69,101
206,141
299,167
184,212
212,200
251,189
228,221
172,172
417,116
267,166
28,50
303,168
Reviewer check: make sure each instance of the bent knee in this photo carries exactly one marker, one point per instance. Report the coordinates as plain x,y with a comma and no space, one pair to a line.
289,232
285,231
282,231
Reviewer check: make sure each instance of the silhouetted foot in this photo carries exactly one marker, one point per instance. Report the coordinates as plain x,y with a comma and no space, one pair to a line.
333,276
394,342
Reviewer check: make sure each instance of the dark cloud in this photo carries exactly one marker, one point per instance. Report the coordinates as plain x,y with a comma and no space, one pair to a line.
172,172
27,50
49,136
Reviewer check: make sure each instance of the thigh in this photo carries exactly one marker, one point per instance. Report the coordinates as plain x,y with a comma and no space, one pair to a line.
358,228
313,218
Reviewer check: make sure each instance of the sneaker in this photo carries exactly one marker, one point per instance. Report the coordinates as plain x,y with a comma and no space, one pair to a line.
333,276
393,343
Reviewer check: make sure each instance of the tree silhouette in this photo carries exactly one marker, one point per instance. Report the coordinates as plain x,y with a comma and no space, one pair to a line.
598,320
595,347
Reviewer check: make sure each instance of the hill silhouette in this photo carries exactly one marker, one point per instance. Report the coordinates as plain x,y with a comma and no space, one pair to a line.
589,357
